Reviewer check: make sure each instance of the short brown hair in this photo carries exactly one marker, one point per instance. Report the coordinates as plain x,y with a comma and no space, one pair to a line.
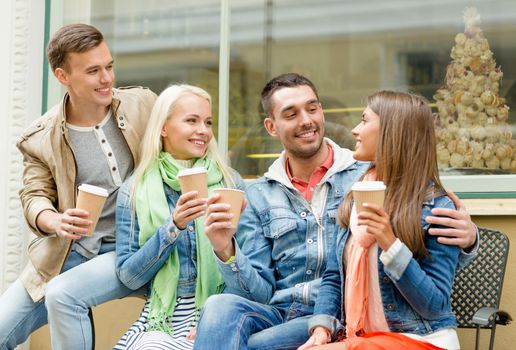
280,82
77,37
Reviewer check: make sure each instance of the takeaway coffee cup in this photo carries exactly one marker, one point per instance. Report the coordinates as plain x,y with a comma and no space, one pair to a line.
368,192
235,199
92,199
194,179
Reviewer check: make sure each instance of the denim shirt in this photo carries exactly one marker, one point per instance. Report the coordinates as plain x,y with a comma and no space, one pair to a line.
137,265
415,293
283,241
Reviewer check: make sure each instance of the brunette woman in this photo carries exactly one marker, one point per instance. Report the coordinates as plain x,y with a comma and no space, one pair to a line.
396,278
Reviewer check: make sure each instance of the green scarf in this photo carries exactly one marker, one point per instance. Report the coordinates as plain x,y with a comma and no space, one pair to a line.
152,210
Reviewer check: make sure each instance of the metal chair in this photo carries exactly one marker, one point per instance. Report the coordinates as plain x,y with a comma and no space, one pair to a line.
477,288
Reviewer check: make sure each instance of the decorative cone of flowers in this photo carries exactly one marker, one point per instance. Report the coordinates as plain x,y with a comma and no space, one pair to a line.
472,130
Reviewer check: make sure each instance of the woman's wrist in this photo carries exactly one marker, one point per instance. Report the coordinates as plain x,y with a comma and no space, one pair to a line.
226,253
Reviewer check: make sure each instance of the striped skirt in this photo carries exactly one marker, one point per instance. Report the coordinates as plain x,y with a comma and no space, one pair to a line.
182,321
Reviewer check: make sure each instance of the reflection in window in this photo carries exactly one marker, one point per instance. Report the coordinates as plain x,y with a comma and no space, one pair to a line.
349,49
157,43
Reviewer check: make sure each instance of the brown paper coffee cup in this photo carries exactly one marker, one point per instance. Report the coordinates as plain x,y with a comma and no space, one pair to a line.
235,198
368,192
194,179
91,198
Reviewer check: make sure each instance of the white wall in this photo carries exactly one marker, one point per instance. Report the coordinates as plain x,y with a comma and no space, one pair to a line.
21,38
21,66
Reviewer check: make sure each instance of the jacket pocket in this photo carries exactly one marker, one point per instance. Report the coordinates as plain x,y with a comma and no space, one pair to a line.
283,231
47,254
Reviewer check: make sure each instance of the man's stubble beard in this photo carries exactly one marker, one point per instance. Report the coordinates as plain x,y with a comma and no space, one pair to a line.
300,154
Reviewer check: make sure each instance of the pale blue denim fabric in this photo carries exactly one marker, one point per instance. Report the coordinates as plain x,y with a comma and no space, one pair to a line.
136,265
281,253
415,293
85,283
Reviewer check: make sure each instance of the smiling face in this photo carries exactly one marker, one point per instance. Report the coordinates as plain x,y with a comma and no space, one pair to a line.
188,129
366,134
89,76
297,120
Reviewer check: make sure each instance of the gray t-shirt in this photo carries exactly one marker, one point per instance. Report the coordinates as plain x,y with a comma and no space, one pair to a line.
103,159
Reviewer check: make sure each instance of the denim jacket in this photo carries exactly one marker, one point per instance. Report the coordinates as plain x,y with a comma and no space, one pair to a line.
283,241
137,265
415,293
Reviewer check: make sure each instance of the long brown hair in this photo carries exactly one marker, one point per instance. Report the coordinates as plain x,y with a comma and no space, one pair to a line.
406,162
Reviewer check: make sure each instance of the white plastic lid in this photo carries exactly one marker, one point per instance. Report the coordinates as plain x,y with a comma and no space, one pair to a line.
368,186
99,191
228,190
191,171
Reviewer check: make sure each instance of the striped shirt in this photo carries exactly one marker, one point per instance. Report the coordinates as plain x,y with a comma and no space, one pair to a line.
182,321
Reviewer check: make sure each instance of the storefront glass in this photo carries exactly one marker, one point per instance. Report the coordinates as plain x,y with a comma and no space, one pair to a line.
350,50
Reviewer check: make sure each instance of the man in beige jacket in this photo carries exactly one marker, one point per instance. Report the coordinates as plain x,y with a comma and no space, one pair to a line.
91,136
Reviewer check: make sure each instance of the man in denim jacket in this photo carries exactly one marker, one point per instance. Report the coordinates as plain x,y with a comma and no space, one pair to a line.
272,268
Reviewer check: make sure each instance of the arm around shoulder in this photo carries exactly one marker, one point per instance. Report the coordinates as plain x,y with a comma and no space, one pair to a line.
424,283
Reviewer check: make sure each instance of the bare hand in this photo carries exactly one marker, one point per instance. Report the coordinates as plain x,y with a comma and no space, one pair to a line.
320,336
73,223
217,228
459,230
378,224
188,208
191,335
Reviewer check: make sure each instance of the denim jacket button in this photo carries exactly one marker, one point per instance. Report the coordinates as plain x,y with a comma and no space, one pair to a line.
303,214
298,285
386,279
172,232
308,272
190,228
390,307
309,241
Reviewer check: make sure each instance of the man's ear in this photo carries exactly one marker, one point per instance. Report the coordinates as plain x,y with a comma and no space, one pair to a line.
270,126
61,75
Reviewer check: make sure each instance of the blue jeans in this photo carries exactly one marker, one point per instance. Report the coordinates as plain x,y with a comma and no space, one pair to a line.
85,283
232,322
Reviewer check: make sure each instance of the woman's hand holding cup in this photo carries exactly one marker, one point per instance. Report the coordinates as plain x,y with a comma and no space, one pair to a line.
188,207
378,224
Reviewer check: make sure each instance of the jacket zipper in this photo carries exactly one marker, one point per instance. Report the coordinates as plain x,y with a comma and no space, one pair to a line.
74,197
320,244
320,229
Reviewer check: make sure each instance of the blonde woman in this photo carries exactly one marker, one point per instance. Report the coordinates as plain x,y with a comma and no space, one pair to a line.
160,231
396,278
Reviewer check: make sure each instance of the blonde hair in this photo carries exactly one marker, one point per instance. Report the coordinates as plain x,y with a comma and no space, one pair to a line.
151,144
406,162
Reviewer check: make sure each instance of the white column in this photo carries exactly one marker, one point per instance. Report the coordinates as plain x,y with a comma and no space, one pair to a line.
21,38
224,58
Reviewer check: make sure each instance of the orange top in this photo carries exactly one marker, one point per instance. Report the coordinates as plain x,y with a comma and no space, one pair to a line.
307,188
